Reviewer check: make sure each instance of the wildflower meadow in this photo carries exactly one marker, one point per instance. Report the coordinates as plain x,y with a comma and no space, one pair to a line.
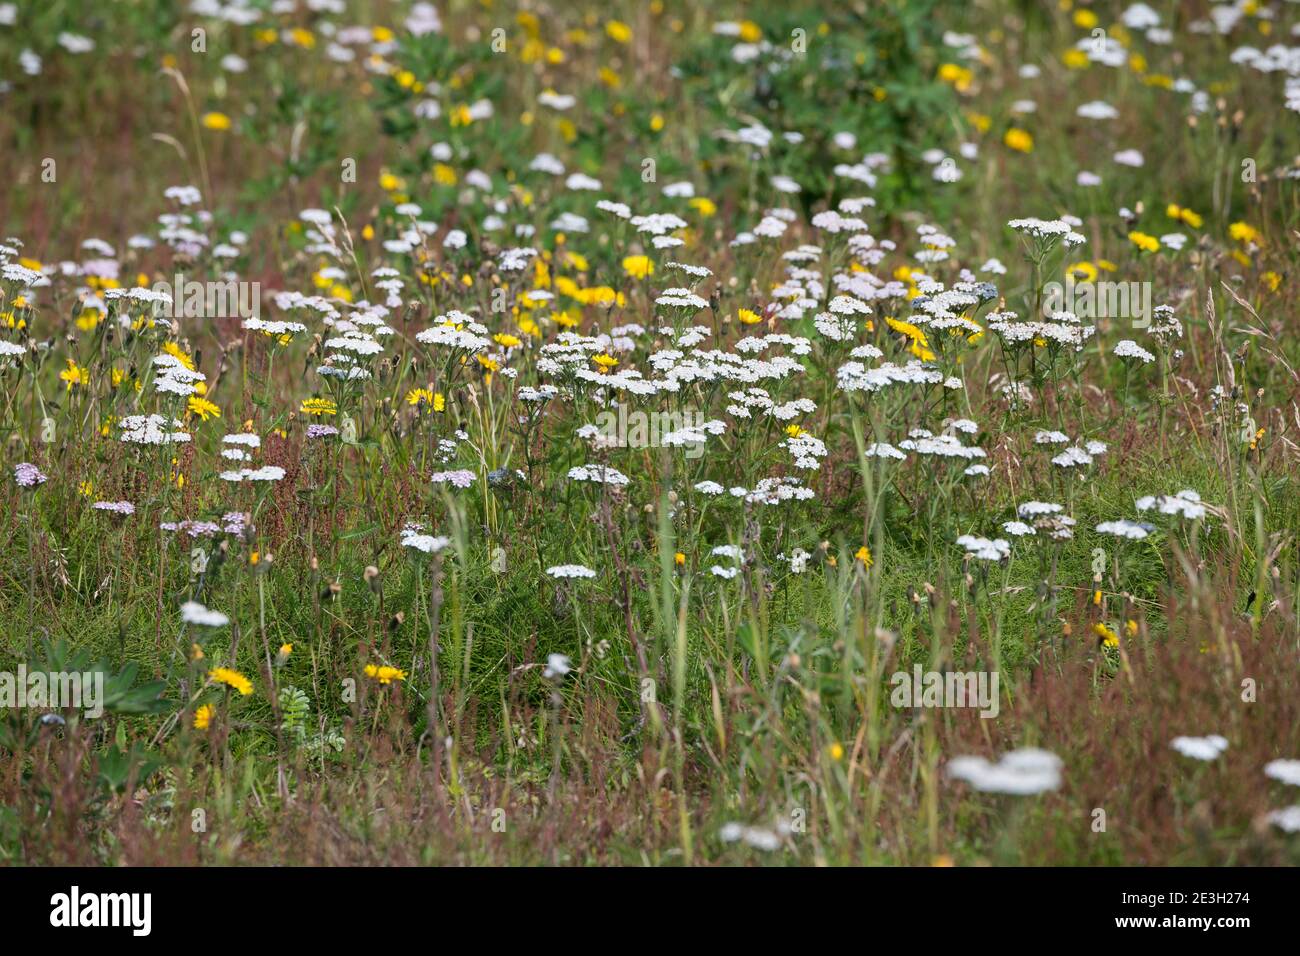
652,434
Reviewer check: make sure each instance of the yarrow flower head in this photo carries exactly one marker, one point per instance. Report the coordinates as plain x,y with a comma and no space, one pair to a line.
985,549
570,571
458,478
28,475
1200,748
1130,349
1186,503
557,665
192,612
413,537
1020,772
1132,530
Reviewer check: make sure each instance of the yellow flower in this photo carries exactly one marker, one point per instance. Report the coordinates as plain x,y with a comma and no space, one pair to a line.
203,408
863,554
959,76
679,559
1245,234
1144,242
506,340
836,751
1108,637
1075,59
920,345
232,679
606,362
420,396
1084,271
444,175
638,267
216,121
749,317
88,319
529,21
618,31
385,674
704,206
86,488
178,353
603,295
318,406
1085,19
74,374
1272,280
1184,215
1019,140
656,122
203,717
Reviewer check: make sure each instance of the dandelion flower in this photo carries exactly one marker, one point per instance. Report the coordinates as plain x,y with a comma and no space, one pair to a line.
384,673
638,267
203,717
232,679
